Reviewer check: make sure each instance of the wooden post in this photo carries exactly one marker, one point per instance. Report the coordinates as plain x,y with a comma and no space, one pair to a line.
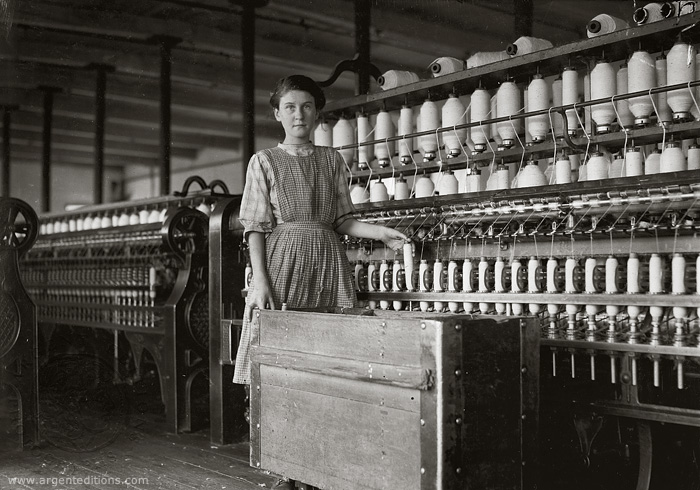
46,148
100,114
248,69
6,159
363,16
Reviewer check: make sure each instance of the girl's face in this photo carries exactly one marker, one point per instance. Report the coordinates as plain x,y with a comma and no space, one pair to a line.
297,113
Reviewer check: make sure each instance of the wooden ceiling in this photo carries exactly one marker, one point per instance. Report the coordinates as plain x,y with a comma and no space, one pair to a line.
60,44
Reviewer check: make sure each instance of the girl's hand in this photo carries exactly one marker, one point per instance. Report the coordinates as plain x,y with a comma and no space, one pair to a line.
394,239
260,297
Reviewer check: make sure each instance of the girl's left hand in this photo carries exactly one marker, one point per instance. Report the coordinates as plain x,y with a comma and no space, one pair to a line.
394,239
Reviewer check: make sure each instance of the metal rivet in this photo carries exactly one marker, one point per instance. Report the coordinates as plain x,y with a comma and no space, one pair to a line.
523,416
458,470
257,314
422,422
422,471
383,324
258,425
523,370
458,372
257,464
458,327
422,325
458,421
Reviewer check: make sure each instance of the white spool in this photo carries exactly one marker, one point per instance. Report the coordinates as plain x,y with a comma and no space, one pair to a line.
451,276
401,189
378,192
641,76
694,157
633,267
538,100
562,170
598,167
569,95
323,134
366,152
343,135
395,273
527,44
508,103
485,58
408,265
680,62
467,267
438,267
405,127
651,12
672,158
552,265
371,268
678,274
483,269
498,269
429,121
569,268
423,270
453,114
652,164
557,101
384,129
617,167
448,184
664,112
445,65
532,266
589,271
611,266
531,175
634,163
384,277
356,276
656,274
603,86
625,118
480,109
133,220
424,187
358,194
396,78
499,178
603,24
515,266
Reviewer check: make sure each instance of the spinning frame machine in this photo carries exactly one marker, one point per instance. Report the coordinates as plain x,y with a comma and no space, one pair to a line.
610,265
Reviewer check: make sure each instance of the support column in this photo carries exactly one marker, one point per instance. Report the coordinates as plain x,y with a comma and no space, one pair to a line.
363,20
100,116
166,43
6,138
46,148
248,73
523,12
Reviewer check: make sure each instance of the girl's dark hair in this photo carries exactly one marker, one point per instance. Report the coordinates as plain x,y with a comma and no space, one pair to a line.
297,82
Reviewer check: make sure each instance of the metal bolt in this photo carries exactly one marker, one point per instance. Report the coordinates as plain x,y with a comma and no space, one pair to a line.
422,471
523,416
383,324
458,327
458,470
258,425
422,325
257,314
523,370
422,422
458,421
522,324
458,372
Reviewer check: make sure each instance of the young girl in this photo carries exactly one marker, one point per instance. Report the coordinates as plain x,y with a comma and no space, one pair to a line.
295,204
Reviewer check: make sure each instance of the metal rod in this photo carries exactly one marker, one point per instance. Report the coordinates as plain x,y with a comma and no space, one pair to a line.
363,13
248,74
6,135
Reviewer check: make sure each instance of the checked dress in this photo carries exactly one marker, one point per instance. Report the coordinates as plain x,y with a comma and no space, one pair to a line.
297,195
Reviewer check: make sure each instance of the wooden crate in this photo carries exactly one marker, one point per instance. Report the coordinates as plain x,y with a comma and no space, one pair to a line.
395,401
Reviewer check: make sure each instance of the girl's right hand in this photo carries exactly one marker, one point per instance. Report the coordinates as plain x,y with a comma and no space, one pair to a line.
260,297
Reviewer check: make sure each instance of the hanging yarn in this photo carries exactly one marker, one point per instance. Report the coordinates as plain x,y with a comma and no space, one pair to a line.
569,95
605,24
526,44
445,65
429,121
664,113
366,152
396,78
343,135
323,134
694,157
651,12
494,127
485,58
598,167
603,81
625,118
557,101
405,127
641,76
672,158
508,103
384,129
453,114
680,63
562,170
480,109
538,100
652,164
